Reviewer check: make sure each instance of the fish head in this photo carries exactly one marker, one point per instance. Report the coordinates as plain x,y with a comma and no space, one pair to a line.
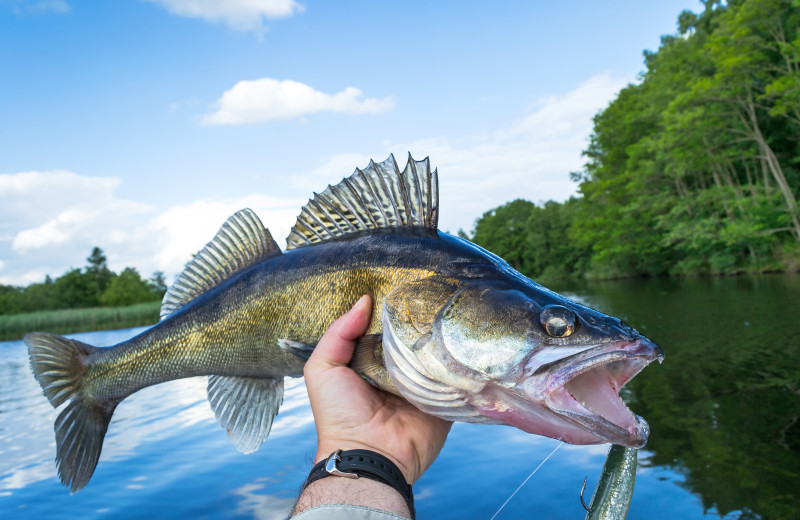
515,353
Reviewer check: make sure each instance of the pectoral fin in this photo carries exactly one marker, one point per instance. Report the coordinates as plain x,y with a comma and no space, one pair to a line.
368,362
301,350
367,354
245,407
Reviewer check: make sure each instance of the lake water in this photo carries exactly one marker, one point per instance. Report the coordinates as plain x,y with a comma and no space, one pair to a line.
724,409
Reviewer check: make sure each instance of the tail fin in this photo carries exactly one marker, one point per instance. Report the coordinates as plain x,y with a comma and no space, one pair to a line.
59,365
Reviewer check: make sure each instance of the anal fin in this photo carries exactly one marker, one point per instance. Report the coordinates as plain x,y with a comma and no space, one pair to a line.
245,407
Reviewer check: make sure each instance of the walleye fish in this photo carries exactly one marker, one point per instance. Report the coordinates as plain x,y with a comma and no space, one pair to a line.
454,330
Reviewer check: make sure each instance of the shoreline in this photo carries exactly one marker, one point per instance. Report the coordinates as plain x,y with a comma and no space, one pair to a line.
70,321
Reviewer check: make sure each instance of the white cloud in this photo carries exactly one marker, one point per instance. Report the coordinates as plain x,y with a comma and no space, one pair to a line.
178,232
530,159
333,170
261,100
23,279
245,15
571,114
42,210
50,221
52,232
25,195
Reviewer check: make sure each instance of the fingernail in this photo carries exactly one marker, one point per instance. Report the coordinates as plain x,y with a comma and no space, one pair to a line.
361,302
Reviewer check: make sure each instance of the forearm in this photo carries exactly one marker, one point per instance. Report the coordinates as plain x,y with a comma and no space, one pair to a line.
358,492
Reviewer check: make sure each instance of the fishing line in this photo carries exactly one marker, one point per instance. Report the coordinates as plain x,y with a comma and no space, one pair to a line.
527,479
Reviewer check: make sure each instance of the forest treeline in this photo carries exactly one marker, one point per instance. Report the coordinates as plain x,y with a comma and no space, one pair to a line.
695,169
92,286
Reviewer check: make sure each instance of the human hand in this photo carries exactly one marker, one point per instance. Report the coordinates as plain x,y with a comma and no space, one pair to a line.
349,413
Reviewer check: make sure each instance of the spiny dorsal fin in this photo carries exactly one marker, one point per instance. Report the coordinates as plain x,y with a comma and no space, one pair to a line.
241,242
379,196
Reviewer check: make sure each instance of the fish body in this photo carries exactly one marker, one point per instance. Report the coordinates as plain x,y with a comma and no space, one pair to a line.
454,330
613,494
234,328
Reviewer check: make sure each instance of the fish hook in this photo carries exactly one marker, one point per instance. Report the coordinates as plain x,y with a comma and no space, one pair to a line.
583,488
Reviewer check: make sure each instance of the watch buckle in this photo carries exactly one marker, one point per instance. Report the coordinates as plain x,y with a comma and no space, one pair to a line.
330,466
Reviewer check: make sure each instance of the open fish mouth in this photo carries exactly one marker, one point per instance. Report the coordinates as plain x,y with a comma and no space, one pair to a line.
584,390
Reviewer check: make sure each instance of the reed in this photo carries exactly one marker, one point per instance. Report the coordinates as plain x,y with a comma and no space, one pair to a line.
66,321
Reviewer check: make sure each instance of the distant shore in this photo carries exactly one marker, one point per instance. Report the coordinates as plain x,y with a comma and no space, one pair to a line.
67,321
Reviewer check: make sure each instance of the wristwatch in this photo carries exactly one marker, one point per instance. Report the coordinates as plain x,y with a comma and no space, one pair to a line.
367,464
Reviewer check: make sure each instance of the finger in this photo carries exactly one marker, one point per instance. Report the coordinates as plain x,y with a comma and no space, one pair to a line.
335,348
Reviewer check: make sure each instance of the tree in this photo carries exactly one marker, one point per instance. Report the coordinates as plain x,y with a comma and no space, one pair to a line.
98,269
502,231
76,289
750,50
694,169
158,285
81,288
550,250
126,289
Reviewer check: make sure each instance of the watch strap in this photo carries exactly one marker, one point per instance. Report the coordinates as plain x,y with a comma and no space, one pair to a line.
367,464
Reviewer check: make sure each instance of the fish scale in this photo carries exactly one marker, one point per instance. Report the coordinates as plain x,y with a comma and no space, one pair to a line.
454,329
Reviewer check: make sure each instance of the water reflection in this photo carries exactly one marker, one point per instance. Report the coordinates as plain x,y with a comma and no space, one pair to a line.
162,441
26,424
723,408
259,505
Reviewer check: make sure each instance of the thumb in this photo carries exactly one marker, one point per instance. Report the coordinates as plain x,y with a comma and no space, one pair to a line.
335,348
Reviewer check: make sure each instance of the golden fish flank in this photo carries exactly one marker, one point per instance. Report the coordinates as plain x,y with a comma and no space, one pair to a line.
454,329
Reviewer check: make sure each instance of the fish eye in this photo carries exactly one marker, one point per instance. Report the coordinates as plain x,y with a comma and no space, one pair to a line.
558,321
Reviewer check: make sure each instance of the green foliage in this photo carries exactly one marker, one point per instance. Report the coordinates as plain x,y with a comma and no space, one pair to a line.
95,285
126,289
532,239
98,271
551,250
76,289
502,230
158,285
690,171
723,407
695,169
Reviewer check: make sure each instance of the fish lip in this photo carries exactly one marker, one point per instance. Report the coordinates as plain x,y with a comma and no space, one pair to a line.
630,357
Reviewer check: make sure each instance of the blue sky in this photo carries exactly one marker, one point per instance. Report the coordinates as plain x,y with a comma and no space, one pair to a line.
140,125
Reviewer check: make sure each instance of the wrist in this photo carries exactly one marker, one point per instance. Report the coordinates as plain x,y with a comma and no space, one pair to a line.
326,447
357,492
347,471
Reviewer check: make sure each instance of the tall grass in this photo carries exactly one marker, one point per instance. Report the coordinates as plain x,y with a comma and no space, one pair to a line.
79,320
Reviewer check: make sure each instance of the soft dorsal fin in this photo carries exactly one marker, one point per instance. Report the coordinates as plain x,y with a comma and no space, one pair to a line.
379,196
241,242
